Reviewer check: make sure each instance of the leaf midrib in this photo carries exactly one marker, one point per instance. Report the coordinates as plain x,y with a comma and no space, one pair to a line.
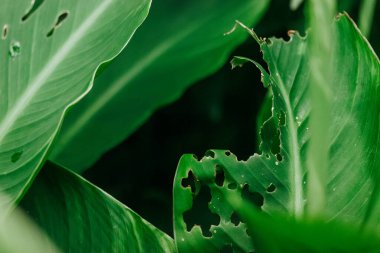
296,174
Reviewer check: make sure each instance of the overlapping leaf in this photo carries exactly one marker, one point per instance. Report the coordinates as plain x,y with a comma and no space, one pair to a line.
276,180
14,224
180,43
49,52
79,217
278,233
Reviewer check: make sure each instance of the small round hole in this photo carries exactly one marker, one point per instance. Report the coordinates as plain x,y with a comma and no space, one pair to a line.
271,188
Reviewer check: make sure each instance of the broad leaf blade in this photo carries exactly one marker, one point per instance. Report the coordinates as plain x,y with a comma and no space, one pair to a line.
179,44
14,224
276,233
79,217
49,52
277,178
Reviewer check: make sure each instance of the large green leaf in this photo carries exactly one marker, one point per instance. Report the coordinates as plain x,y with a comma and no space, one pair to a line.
49,52
276,180
79,217
277,234
180,43
14,224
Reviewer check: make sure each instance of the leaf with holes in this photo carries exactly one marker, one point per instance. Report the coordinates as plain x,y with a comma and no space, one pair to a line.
276,180
79,217
179,44
49,52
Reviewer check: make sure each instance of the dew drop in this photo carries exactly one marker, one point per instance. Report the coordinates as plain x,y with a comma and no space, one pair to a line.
15,49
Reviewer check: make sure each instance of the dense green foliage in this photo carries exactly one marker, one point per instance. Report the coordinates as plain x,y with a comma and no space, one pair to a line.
166,55
76,86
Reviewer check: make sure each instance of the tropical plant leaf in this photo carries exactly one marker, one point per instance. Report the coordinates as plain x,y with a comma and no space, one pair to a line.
277,234
179,44
366,16
276,180
321,46
79,217
14,224
49,52
294,4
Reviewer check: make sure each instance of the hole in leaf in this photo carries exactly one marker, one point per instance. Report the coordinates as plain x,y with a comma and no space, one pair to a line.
279,157
189,182
200,213
4,34
210,153
60,19
271,188
219,175
16,156
227,249
35,5
268,41
248,232
232,186
270,136
227,153
235,219
14,49
254,197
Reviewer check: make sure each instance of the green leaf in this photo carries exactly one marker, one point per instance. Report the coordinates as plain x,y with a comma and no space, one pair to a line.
277,234
79,217
294,4
14,224
179,44
276,180
366,15
321,45
49,52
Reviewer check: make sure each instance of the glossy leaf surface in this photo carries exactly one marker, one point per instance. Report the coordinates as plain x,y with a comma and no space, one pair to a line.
277,234
276,180
79,217
49,52
179,44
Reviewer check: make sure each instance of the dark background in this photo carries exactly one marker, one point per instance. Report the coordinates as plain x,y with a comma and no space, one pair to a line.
218,112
